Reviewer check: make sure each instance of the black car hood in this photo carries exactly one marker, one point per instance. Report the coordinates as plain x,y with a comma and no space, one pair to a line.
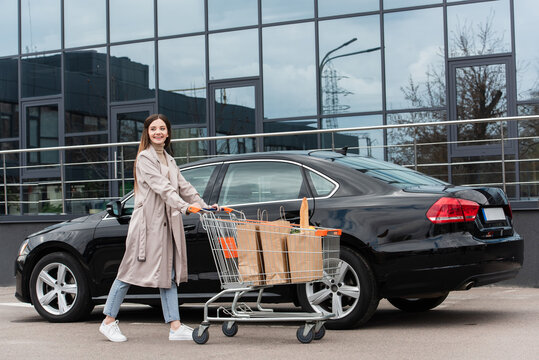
486,196
78,220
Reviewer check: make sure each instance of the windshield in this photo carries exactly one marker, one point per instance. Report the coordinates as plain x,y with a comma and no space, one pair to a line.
388,172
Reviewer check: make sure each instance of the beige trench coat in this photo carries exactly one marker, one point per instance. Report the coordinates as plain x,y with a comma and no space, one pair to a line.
156,222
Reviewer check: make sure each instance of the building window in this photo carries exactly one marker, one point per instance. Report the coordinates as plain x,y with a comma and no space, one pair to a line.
415,70
132,71
42,131
392,4
233,54
9,99
527,56
86,91
367,143
289,71
349,65
419,146
332,7
285,10
180,16
231,13
9,44
41,75
182,80
290,142
85,23
479,28
131,20
40,25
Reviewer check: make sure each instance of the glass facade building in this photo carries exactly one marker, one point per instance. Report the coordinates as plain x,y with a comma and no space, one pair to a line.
74,72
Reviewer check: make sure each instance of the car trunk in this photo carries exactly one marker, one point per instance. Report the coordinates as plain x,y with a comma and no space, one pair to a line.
494,218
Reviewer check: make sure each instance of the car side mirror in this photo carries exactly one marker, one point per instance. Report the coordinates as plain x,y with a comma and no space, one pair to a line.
114,208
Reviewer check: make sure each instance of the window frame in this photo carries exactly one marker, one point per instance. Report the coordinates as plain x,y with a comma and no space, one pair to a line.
306,184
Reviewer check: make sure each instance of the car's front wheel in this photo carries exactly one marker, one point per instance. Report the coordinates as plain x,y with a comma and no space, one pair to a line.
351,294
59,289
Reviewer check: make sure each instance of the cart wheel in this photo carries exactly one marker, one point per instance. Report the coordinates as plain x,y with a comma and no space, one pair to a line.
202,339
320,333
233,330
302,338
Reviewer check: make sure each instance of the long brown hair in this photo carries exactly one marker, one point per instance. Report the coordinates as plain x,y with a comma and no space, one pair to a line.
145,141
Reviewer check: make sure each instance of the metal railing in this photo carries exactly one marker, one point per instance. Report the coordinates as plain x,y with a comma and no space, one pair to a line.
117,163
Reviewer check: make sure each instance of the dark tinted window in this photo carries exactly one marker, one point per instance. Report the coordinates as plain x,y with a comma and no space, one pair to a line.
388,172
86,90
132,71
41,75
9,101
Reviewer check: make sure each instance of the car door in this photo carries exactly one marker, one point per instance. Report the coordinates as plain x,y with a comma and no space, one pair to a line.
267,189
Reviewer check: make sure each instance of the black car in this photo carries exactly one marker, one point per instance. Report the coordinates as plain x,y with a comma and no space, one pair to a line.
406,237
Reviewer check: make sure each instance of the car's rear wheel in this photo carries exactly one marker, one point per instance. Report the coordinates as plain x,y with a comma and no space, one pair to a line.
351,294
417,304
59,290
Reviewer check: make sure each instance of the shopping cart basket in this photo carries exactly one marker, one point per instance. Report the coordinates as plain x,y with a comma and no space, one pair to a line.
252,255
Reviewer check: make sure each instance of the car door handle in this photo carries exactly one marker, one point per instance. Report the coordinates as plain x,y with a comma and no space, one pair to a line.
189,227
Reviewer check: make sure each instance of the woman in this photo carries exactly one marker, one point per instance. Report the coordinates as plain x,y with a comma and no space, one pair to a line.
155,254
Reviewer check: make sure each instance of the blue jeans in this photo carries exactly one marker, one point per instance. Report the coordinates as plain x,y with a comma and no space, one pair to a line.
169,300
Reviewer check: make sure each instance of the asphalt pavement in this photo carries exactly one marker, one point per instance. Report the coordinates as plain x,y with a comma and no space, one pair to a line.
482,323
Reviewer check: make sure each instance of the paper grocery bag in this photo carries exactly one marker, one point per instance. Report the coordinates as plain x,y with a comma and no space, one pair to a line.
250,265
305,256
273,241
304,214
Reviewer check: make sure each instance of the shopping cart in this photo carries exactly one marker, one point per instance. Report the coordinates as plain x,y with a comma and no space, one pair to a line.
252,255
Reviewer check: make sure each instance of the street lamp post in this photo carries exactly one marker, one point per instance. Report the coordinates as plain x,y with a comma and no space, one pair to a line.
327,59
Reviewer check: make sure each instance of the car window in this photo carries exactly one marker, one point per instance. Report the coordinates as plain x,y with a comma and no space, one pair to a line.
262,181
129,205
388,172
321,185
199,177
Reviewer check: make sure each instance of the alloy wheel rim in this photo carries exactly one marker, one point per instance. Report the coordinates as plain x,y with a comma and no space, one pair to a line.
56,288
338,294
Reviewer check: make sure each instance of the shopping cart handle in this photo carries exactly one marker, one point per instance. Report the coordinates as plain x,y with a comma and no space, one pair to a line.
222,208
325,232
193,209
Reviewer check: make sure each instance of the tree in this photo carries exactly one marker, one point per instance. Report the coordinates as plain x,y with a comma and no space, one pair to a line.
480,94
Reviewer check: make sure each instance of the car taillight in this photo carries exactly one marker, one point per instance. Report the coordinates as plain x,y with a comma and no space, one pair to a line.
452,210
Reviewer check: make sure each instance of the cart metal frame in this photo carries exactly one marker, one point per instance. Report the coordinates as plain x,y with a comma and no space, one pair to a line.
223,225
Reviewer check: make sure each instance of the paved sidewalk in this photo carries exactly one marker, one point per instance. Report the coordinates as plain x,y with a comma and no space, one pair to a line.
483,323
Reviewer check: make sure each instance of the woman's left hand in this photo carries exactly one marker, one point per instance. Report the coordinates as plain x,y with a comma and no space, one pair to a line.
216,207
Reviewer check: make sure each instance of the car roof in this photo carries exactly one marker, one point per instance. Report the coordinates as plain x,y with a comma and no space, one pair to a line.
298,155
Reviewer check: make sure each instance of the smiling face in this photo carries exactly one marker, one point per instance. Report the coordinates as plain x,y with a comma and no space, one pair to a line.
157,132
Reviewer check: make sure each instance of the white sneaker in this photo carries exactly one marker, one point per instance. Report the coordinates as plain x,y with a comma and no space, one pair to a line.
112,331
184,332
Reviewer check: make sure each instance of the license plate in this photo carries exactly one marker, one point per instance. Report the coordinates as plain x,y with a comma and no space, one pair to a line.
493,214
